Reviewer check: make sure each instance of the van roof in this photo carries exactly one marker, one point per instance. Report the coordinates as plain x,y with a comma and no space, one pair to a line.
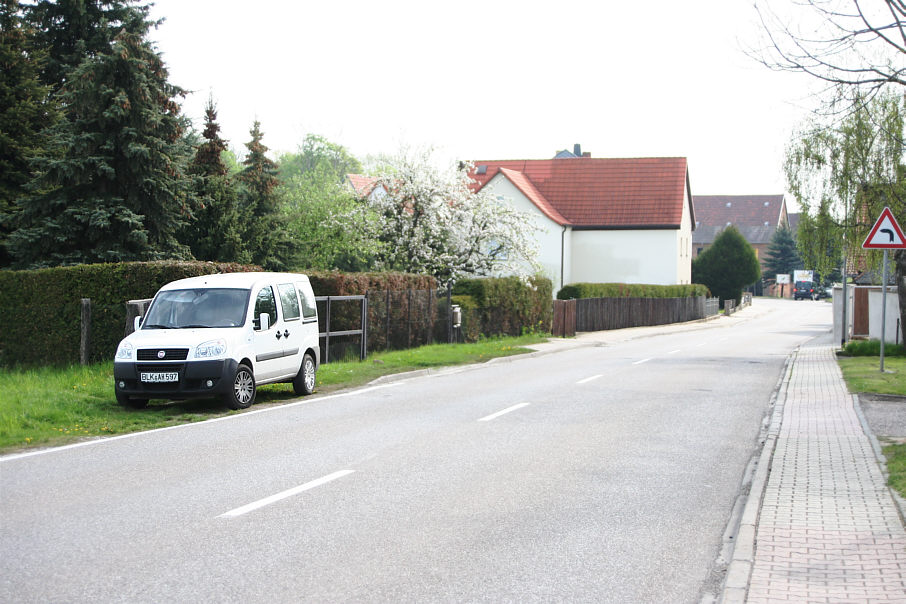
234,280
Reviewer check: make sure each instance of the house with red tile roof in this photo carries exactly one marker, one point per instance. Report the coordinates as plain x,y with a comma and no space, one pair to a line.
756,217
603,220
364,186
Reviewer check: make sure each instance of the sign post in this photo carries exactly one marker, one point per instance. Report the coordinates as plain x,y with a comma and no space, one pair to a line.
885,235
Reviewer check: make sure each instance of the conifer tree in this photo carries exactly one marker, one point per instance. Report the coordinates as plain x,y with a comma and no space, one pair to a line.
782,257
24,113
70,31
216,231
264,233
115,184
727,266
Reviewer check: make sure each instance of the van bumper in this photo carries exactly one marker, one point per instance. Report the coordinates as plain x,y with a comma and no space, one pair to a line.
194,379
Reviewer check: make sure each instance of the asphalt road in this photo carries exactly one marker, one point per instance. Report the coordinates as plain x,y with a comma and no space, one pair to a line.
602,473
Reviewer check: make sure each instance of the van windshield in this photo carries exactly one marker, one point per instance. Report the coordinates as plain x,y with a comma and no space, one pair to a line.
197,308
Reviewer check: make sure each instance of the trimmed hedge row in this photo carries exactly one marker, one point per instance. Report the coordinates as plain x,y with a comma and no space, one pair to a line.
505,305
40,318
630,290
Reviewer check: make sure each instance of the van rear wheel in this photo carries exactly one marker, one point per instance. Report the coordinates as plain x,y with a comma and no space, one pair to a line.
241,394
304,382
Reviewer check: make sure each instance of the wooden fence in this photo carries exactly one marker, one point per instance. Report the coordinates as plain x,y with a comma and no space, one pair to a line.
599,314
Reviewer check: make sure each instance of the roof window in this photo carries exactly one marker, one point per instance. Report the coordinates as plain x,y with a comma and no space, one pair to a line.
729,203
482,169
767,203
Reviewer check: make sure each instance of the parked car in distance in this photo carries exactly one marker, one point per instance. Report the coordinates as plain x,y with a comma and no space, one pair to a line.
221,336
805,290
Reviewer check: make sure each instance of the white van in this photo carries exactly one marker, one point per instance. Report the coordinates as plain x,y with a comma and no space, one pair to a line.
221,335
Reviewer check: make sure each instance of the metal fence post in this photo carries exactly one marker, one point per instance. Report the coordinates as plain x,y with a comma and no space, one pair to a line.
450,311
327,334
364,327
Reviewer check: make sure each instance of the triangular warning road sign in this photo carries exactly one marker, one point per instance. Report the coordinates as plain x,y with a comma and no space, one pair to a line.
886,234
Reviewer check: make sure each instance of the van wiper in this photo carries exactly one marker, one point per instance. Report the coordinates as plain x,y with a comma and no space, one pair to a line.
158,327
193,326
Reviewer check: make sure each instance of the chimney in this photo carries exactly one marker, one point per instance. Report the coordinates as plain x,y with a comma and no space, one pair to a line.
586,154
577,150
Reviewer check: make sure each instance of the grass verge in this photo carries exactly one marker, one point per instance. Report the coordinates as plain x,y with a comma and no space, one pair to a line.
53,406
863,374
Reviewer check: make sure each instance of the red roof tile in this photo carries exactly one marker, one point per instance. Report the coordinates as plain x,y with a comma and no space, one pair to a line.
597,192
741,210
361,184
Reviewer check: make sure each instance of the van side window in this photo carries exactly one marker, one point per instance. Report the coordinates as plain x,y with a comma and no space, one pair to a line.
288,301
309,307
265,304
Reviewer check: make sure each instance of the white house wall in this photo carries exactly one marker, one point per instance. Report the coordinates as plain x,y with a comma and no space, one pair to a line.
625,257
549,235
684,243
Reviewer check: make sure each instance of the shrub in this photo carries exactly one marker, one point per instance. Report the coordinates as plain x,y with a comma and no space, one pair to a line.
629,290
872,348
508,305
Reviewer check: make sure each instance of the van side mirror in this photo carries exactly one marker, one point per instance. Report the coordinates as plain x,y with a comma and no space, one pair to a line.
264,321
137,323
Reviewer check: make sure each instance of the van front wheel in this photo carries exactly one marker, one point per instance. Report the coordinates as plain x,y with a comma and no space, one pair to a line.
242,391
304,382
132,403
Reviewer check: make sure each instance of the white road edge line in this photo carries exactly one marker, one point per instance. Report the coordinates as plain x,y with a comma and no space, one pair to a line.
588,379
643,361
288,493
505,411
675,351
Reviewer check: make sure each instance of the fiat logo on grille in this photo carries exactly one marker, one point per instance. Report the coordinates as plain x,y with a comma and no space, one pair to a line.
161,354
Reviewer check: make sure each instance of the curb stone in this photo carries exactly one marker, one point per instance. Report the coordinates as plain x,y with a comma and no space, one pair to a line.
736,585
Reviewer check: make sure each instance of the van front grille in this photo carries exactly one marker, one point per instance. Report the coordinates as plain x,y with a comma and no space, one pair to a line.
169,354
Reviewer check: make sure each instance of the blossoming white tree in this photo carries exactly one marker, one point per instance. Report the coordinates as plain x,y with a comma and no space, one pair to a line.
433,222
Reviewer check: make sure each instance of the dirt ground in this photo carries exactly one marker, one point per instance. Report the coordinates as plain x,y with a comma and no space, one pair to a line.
886,416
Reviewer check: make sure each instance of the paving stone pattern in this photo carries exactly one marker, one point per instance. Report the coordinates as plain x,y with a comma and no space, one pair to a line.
828,530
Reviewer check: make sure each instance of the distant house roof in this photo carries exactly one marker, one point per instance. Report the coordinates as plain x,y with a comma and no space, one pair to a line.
598,193
756,216
361,184
794,223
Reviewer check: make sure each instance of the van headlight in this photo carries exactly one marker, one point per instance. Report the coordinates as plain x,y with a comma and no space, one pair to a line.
211,350
124,351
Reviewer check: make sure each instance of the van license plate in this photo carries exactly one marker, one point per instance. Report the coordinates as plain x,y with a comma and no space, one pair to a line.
160,377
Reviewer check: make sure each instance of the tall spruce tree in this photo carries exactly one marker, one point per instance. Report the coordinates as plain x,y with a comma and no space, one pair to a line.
264,233
24,113
782,258
70,31
215,232
117,190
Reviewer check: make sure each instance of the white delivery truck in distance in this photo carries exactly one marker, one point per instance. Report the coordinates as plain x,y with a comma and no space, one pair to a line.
221,336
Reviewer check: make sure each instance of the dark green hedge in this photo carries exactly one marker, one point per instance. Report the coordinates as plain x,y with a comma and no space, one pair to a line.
507,305
40,317
629,290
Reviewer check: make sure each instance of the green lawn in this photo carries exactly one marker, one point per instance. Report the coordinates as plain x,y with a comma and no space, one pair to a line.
863,374
53,406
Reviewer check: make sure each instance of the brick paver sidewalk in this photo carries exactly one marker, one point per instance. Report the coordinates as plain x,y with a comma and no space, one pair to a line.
828,530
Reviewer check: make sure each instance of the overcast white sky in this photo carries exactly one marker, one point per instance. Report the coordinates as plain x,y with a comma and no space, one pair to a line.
494,79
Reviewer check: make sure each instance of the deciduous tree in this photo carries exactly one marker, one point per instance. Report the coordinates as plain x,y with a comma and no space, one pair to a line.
431,221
